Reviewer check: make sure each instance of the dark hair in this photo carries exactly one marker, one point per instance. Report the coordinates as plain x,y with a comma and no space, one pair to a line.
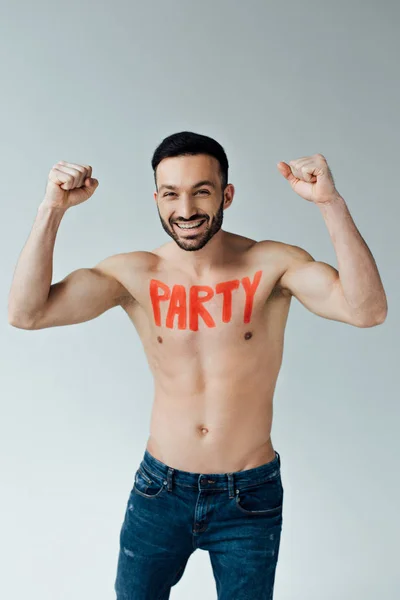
189,143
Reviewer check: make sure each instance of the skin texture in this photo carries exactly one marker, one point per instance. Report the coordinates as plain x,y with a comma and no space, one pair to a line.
211,307
199,309
214,364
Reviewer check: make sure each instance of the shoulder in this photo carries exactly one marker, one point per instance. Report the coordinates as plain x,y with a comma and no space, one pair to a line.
128,269
286,258
288,254
117,264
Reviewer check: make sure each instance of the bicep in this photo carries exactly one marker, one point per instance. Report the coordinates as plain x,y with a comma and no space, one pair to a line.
81,296
317,286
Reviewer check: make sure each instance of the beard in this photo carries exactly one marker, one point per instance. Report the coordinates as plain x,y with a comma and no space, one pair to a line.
195,241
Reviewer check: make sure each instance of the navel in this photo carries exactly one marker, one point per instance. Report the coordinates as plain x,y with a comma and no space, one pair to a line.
159,339
248,335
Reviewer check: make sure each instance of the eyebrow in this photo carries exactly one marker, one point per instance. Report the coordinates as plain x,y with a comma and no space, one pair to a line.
174,187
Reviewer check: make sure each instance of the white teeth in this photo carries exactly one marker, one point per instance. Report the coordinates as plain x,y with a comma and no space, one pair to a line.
190,226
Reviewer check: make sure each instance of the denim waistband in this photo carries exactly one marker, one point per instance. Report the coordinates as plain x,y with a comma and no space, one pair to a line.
201,481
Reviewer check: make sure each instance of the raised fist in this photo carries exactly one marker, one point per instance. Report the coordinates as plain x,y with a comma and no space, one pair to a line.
69,184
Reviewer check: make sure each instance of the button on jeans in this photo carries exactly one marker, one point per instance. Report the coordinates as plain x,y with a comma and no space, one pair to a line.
236,517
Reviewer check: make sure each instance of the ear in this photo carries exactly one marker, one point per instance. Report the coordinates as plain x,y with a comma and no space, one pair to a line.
229,193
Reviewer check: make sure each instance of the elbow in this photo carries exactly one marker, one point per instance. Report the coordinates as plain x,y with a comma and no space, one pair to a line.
372,318
373,321
380,319
20,322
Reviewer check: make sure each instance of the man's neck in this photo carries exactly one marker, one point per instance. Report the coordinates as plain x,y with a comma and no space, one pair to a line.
200,262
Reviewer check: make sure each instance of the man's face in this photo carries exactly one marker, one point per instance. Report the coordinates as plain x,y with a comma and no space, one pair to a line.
181,200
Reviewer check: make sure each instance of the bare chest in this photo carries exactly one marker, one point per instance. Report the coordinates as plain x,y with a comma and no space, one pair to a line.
195,306
189,315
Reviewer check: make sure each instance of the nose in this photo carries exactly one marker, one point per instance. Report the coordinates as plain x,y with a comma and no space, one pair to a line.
185,209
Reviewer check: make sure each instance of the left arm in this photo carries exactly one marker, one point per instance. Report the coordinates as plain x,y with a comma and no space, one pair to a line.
355,293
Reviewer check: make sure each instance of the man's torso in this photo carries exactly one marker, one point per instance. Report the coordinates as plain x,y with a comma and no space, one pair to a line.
214,345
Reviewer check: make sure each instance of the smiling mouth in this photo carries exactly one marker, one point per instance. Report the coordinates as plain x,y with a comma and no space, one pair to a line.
190,226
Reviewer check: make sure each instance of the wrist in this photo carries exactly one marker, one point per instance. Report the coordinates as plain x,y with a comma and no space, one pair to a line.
334,200
47,207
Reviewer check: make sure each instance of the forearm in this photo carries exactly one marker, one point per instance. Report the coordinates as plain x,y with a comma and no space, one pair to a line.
358,272
33,273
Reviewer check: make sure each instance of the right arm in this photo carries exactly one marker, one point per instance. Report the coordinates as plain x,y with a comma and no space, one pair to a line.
35,303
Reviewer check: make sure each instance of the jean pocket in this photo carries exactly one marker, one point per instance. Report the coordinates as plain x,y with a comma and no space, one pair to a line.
147,485
265,498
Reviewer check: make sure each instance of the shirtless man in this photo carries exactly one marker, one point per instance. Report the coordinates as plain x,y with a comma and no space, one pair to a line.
210,308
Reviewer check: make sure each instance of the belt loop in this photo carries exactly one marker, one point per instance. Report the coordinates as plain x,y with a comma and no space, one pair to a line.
231,485
279,458
169,478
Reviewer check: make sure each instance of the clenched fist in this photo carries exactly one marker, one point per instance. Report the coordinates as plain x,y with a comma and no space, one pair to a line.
69,184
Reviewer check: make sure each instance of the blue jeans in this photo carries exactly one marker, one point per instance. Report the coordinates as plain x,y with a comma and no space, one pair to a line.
236,517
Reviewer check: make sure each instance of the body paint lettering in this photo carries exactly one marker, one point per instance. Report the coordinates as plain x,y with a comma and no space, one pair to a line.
226,288
177,306
196,306
250,289
191,306
156,298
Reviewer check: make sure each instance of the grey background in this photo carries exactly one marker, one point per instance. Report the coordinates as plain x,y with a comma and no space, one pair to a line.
103,84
